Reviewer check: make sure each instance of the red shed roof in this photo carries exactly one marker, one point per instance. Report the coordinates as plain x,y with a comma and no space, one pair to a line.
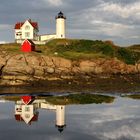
30,41
27,99
18,25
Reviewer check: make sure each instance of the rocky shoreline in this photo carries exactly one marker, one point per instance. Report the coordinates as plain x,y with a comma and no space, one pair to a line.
32,69
112,84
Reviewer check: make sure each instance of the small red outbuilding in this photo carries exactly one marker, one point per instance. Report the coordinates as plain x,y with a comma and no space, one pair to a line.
27,99
27,46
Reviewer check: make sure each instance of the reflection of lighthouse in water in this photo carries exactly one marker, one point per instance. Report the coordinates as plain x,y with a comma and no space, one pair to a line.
26,110
60,117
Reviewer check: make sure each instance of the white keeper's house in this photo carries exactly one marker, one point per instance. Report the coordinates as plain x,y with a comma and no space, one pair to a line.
30,30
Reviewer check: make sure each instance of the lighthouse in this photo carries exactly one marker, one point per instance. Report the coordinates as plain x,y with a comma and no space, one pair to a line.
60,117
60,25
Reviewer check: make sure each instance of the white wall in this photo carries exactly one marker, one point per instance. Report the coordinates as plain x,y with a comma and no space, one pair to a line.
24,31
47,37
18,34
60,28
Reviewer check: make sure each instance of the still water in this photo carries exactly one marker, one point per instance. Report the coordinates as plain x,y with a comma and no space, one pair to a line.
27,117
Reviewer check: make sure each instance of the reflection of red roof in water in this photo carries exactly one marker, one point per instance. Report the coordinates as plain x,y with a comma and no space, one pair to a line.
27,99
19,118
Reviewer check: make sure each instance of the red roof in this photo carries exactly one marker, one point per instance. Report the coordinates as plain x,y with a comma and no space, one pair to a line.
30,41
18,25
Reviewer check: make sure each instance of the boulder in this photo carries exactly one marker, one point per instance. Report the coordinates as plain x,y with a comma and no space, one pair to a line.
50,70
87,66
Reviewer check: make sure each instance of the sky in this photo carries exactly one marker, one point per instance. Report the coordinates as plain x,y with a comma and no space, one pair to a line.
116,20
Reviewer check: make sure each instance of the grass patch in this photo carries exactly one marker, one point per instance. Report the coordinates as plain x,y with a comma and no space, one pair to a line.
85,46
81,49
135,48
10,47
80,55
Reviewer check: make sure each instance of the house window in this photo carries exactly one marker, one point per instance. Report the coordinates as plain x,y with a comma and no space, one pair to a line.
27,27
18,34
27,116
27,34
27,109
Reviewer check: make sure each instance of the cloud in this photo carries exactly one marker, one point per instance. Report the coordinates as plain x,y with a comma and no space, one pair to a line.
125,132
5,26
119,120
54,2
118,20
121,10
110,20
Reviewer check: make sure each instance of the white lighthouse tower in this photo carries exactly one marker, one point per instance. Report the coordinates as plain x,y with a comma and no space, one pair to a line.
60,117
60,25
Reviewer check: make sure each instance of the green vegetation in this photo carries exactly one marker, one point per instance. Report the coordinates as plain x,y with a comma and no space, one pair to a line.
80,99
135,52
135,96
127,56
135,48
70,99
10,48
11,98
88,49
82,49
